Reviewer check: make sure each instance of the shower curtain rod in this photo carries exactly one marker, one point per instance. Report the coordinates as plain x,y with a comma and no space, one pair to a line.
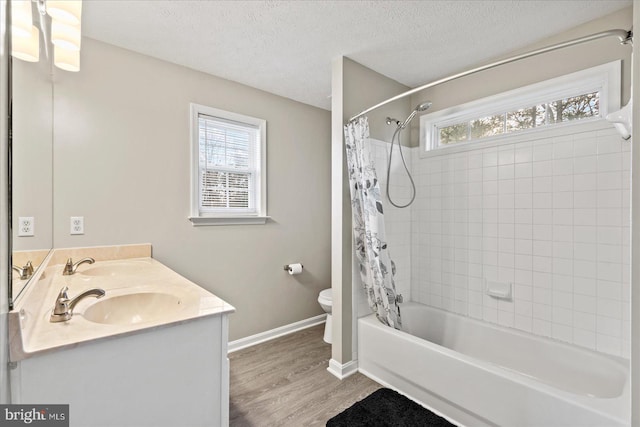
625,37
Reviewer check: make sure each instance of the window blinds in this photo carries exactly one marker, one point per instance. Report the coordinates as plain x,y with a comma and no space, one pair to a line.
228,163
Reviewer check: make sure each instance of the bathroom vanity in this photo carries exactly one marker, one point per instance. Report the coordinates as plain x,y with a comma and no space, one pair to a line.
151,352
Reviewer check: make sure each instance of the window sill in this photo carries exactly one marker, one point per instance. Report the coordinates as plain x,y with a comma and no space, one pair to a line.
197,221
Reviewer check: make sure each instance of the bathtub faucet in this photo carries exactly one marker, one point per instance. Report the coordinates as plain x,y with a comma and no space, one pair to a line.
399,299
70,268
63,309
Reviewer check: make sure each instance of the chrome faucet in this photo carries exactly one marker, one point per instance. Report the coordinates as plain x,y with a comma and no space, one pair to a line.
63,309
70,268
24,272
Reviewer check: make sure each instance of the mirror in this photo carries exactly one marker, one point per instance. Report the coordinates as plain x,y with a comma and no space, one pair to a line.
32,167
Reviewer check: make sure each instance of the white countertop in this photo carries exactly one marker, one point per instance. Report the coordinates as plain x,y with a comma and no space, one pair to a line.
32,333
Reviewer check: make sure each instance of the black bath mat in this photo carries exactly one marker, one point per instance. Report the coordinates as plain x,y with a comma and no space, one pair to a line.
386,408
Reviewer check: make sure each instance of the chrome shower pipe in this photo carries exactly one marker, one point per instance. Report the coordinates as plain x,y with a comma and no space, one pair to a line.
625,37
394,121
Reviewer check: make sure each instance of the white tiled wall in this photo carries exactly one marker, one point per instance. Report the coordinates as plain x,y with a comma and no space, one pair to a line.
550,215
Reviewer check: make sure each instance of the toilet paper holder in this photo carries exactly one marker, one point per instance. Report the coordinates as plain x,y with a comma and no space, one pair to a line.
288,268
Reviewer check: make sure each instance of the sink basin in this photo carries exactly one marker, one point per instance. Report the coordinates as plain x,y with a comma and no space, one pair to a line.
119,269
133,308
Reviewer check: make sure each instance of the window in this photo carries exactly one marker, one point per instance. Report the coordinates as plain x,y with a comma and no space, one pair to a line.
577,107
585,95
228,168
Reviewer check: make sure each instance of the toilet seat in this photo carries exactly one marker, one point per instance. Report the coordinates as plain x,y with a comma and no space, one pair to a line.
325,297
326,301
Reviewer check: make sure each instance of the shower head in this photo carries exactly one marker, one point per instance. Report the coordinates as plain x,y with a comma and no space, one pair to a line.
424,106
419,108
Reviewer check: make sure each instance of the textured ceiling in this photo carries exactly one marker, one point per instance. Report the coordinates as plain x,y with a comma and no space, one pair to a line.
286,47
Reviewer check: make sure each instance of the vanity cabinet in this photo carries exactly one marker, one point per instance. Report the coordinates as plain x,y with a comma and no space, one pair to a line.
171,376
152,351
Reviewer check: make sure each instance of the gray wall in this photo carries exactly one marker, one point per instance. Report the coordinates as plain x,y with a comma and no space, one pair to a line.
32,117
362,88
121,160
536,69
354,88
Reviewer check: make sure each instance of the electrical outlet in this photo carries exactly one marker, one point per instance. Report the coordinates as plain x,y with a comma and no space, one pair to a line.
26,226
77,225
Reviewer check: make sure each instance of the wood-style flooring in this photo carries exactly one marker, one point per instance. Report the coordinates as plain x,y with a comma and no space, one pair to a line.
285,382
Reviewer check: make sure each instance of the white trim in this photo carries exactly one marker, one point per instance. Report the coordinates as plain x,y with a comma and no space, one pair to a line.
605,78
225,218
275,333
342,371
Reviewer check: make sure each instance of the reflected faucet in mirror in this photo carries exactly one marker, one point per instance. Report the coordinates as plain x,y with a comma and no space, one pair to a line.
70,268
25,272
63,309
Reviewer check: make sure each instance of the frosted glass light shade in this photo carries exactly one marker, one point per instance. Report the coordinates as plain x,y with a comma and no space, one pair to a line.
21,19
27,48
68,60
65,36
66,11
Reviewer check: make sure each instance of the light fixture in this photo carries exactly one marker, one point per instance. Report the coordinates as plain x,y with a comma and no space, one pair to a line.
27,48
21,18
67,11
66,34
66,59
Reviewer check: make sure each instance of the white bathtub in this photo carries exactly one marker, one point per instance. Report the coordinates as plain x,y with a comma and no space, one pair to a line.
479,374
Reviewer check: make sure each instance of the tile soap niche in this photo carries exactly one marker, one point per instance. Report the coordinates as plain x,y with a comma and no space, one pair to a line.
499,290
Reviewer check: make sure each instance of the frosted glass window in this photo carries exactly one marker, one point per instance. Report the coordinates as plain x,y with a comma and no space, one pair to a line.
455,133
525,118
583,106
581,96
487,126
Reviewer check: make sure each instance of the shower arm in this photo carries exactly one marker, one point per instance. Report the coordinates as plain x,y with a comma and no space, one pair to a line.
625,37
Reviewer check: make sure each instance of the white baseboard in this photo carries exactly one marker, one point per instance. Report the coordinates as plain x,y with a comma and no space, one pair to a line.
275,333
342,371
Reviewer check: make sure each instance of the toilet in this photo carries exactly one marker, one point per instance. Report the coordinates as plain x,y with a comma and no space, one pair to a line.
326,301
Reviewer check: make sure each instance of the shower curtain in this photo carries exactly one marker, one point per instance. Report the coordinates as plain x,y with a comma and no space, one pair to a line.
376,267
